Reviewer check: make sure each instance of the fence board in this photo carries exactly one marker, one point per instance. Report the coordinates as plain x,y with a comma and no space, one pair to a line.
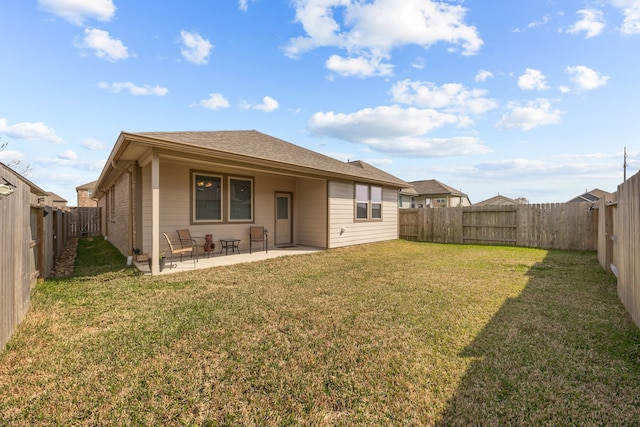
626,245
549,226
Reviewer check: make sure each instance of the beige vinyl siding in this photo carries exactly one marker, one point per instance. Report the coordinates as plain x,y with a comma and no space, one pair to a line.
345,231
310,213
175,185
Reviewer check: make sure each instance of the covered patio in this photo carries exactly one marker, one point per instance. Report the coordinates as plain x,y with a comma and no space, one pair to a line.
220,259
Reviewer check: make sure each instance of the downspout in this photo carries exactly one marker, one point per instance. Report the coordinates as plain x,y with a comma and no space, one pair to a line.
103,216
130,234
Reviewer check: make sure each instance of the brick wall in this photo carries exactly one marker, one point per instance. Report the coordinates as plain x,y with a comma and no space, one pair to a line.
84,201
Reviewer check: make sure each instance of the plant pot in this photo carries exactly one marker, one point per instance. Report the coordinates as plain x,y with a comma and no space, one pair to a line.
163,260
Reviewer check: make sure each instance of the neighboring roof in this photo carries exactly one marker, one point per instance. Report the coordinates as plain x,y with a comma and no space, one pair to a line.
247,146
366,166
409,191
590,196
432,187
55,197
497,200
88,186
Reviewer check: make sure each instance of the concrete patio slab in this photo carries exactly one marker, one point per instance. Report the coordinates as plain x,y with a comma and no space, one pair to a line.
218,259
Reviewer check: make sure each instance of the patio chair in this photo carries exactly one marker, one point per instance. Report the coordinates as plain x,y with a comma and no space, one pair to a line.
187,241
193,250
259,234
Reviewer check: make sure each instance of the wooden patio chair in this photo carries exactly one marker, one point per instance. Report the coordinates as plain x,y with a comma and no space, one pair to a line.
259,234
193,250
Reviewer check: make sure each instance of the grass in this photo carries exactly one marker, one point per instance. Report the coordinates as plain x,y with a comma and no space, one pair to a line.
397,333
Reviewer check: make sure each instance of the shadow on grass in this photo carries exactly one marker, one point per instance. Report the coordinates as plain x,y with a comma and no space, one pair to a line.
563,352
96,256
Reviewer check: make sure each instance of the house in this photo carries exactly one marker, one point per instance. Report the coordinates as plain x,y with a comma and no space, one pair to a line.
591,196
84,194
498,200
56,201
222,182
407,198
434,194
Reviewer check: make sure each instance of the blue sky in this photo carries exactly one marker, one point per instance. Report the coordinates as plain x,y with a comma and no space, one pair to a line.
529,98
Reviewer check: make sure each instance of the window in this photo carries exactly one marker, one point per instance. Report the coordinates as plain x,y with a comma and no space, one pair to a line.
368,202
362,201
376,202
207,197
240,199
221,198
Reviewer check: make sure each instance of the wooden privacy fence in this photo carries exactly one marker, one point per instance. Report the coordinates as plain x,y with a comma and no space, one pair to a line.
619,242
84,222
548,226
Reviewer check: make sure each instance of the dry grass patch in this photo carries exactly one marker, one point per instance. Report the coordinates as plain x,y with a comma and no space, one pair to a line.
396,333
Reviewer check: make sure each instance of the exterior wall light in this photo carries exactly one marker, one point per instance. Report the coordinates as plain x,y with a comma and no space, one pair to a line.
5,190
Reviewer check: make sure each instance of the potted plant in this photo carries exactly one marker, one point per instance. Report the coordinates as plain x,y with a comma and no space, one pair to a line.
161,261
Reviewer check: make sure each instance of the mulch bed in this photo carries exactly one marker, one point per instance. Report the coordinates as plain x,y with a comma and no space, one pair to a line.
64,264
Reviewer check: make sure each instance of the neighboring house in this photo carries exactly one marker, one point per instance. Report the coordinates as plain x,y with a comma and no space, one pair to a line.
222,182
434,194
497,201
56,201
407,198
85,195
592,196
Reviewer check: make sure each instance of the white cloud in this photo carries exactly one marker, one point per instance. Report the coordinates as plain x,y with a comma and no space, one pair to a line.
103,45
452,97
9,156
68,155
268,105
359,66
88,165
215,101
418,63
543,21
483,75
586,78
396,130
535,113
243,5
196,48
379,162
631,11
588,166
373,29
592,23
76,11
29,131
532,79
93,144
117,87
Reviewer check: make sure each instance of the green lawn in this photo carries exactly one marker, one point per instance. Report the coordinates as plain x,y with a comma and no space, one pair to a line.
397,333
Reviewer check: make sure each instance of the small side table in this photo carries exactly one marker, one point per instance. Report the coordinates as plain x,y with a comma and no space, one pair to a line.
229,243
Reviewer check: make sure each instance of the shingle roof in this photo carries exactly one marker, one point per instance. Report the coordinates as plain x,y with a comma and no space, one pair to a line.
88,186
497,200
256,145
590,196
434,187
